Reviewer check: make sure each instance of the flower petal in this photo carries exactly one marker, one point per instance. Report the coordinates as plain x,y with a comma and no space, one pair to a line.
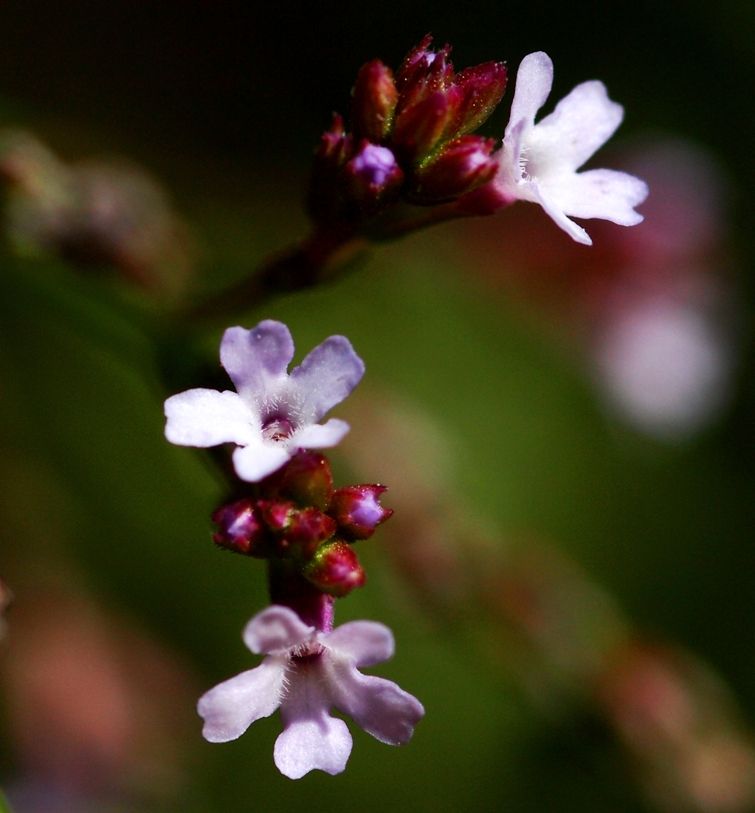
258,459
311,738
365,642
327,375
232,706
256,358
320,435
534,80
576,232
274,629
379,706
202,417
602,193
581,123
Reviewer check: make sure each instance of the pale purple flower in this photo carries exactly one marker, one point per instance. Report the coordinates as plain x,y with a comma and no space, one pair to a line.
539,162
305,674
375,164
272,414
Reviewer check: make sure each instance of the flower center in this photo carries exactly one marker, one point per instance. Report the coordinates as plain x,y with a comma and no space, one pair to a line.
307,653
277,429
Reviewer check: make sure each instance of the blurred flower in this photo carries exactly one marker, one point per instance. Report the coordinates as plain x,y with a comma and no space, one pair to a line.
95,708
273,414
539,162
93,214
305,673
663,365
680,724
654,307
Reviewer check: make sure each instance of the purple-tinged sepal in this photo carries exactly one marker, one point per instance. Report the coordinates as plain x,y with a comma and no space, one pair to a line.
357,510
335,569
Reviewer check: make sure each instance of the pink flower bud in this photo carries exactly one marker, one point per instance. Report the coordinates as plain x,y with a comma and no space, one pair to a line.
357,510
375,98
463,165
335,569
240,529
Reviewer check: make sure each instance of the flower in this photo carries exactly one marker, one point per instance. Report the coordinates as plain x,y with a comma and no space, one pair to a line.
305,673
539,162
273,414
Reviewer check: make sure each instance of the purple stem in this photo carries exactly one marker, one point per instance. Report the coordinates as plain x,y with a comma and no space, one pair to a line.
289,588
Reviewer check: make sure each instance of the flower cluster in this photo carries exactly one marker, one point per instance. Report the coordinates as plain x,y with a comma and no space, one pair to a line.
411,136
291,516
295,516
412,141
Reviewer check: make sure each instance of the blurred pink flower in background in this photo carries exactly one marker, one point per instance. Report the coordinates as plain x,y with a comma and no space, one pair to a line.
653,306
96,709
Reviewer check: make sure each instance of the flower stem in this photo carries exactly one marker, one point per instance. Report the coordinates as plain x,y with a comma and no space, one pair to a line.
320,257
289,588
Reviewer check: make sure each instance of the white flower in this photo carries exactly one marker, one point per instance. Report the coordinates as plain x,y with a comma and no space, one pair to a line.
273,414
539,162
664,366
304,674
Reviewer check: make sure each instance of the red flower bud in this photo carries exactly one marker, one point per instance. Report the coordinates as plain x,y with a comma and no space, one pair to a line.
357,510
306,531
375,98
423,73
420,128
335,569
277,515
240,529
463,165
306,479
482,88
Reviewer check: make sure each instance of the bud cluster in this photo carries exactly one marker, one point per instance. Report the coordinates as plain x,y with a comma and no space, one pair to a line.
411,136
296,515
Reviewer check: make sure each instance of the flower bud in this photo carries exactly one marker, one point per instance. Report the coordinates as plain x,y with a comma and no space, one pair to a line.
373,175
335,569
306,479
357,510
375,98
277,515
482,88
422,73
463,165
324,200
420,128
240,529
306,531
